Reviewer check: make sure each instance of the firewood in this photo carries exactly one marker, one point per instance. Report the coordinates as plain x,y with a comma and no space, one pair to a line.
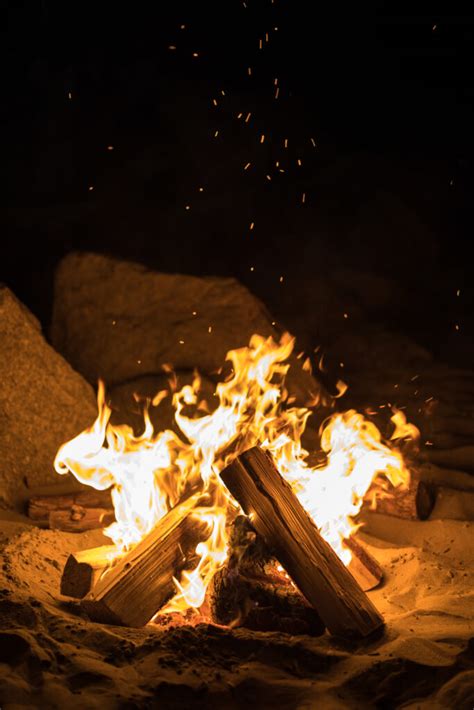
79,519
413,503
461,458
363,566
84,568
74,512
141,582
253,591
278,516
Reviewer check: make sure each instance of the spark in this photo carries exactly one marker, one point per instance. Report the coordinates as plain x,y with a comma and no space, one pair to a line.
181,342
252,225
260,44
187,207
247,118
346,315
194,313
209,330
216,134
249,70
110,147
313,142
252,268
91,187
201,189
247,166
214,101
281,279
239,115
69,95
277,92
262,138
458,292
299,162
303,197
195,54
172,47
268,177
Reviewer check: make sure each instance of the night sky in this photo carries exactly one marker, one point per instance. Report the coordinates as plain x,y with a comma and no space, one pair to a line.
126,129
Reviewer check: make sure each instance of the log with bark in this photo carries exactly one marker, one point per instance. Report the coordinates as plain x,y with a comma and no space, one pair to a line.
141,582
278,516
87,509
460,458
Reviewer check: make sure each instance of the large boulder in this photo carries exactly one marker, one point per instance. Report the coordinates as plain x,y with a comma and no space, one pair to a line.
117,320
43,403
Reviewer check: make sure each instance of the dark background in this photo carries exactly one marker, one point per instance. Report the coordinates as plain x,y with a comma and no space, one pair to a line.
385,93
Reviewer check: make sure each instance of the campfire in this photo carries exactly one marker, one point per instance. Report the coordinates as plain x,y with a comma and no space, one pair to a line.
194,518
176,496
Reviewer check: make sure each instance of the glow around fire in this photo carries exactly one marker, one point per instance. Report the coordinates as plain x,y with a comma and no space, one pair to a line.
152,472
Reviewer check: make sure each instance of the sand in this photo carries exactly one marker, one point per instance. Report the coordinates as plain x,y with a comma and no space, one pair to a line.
51,656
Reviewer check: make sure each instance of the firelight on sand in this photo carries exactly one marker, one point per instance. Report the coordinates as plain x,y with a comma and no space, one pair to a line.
151,473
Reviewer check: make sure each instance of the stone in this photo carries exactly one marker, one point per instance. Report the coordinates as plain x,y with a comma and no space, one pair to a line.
119,321
43,403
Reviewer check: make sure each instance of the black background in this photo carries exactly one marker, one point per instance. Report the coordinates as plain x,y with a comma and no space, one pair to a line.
386,94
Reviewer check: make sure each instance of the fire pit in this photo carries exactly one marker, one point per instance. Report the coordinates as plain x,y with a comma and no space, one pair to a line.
226,535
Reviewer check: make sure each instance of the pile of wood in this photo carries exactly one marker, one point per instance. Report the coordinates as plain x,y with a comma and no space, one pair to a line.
281,574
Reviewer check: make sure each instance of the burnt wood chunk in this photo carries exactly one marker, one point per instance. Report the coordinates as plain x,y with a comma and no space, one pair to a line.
413,503
278,516
141,582
252,590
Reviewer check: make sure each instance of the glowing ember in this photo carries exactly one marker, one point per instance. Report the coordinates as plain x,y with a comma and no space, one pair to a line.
150,473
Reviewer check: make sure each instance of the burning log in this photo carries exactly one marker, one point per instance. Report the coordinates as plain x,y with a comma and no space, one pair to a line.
278,516
251,591
83,570
141,582
76,512
414,503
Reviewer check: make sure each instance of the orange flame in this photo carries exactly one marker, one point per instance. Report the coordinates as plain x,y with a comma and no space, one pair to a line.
150,473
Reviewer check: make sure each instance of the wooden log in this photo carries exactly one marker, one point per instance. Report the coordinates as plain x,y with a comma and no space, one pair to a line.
413,503
253,591
79,519
363,566
84,568
141,582
86,509
278,516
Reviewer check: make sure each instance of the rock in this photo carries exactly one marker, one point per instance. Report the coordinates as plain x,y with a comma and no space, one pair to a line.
43,403
117,320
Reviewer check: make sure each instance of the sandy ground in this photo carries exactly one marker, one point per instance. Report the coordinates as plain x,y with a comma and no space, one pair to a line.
51,656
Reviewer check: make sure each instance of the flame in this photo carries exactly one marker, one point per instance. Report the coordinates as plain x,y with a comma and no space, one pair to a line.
150,473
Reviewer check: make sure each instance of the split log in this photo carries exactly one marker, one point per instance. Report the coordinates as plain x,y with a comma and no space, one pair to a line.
413,503
83,570
363,566
87,509
278,516
251,591
80,519
141,582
